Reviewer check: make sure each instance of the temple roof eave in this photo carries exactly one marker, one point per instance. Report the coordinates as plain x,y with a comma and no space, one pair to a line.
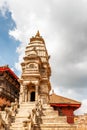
6,68
30,75
56,99
36,39
74,106
31,56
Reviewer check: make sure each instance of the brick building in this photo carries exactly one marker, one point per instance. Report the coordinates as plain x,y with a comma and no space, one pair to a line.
9,86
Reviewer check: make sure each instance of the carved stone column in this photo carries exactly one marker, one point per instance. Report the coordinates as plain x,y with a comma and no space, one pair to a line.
28,96
25,94
21,94
36,93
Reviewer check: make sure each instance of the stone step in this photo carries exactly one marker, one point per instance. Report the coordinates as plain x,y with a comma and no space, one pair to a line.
25,107
27,103
52,120
24,111
16,126
57,119
54,126
48,126
50,113
20,119
22,107
47,107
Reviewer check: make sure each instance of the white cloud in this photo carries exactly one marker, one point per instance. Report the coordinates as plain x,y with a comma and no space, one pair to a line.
3,6
16,34
83,108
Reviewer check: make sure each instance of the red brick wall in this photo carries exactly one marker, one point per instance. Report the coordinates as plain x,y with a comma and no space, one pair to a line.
68,111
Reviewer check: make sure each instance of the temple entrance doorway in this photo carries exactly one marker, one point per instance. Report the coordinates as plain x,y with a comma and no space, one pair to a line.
32,96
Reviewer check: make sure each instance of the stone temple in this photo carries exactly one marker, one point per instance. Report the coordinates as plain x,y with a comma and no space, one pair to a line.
37,109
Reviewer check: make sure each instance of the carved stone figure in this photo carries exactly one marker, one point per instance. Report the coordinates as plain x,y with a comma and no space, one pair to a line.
25,94
11,112
2,124
38,112
8,116
33,115
40,105
28,124
16,106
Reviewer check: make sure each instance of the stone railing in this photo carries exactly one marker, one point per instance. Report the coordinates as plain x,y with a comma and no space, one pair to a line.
34,117
3,125
10,113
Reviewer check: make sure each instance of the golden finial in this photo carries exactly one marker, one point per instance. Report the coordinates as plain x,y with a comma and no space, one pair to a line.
37,37
37,34
52,91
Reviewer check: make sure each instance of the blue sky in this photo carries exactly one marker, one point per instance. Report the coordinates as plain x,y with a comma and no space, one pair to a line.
8,44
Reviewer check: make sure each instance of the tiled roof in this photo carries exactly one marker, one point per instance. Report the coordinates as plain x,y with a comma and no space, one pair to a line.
62,100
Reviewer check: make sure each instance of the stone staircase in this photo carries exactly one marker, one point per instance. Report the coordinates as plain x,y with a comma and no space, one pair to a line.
49,120
22,115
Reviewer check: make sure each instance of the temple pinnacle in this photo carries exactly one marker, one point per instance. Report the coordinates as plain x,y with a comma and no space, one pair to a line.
37,34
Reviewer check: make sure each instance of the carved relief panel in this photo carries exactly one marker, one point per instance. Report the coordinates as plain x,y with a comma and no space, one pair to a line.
32,66
44,89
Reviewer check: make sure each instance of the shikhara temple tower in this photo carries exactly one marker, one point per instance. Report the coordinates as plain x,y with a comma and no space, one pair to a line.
36,71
